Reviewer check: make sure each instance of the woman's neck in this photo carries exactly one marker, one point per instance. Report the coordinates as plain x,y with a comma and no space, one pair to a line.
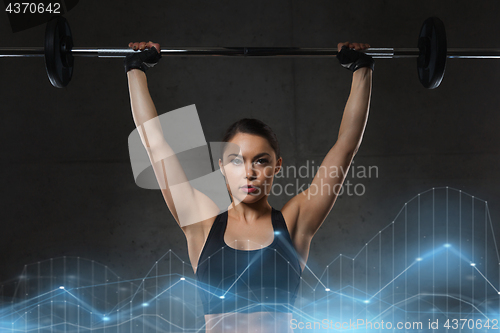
249,212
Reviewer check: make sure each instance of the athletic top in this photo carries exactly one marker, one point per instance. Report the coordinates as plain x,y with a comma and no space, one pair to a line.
231,280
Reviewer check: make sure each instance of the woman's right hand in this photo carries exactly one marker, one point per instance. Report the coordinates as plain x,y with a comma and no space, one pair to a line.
141,46
149,55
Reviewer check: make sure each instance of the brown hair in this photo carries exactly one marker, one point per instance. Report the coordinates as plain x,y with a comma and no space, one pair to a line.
256,127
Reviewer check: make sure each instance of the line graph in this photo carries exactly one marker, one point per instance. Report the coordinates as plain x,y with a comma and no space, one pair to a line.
436,261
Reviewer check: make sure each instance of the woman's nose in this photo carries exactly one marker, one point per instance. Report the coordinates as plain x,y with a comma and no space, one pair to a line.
250,171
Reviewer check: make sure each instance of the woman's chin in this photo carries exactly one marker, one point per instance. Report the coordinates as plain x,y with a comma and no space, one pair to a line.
248,198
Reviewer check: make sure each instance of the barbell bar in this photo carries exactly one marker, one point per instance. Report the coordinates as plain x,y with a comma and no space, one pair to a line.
212,51
431,53
381,53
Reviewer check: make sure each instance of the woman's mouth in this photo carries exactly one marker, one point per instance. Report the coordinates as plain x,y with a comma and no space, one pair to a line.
248,188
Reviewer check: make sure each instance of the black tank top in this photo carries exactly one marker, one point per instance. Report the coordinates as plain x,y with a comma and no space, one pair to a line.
231,280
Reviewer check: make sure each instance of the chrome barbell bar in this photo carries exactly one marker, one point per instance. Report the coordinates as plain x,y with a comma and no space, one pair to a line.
383,53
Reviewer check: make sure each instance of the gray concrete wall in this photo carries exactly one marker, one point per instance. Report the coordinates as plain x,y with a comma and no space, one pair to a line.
68,188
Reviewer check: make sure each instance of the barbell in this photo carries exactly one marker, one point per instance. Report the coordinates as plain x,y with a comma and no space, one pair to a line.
431,53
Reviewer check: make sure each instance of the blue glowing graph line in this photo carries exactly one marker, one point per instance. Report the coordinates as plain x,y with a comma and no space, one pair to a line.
91,304
430,254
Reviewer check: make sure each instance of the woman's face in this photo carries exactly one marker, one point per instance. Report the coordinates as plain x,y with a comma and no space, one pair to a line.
250,161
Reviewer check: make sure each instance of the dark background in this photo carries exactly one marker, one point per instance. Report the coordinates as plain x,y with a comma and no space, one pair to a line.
68,187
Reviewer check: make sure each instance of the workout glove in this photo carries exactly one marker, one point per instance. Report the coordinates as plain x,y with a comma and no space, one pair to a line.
142,60
354,60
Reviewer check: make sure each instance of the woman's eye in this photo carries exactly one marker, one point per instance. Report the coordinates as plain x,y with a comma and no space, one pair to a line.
237,161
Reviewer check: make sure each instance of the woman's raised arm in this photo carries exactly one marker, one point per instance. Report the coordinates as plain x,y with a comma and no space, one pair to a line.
188,205
315,203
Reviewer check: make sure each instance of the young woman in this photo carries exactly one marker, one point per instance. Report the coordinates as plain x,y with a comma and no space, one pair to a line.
249,258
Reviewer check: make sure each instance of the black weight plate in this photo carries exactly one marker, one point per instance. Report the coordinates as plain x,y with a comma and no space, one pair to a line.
58,58
431,61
